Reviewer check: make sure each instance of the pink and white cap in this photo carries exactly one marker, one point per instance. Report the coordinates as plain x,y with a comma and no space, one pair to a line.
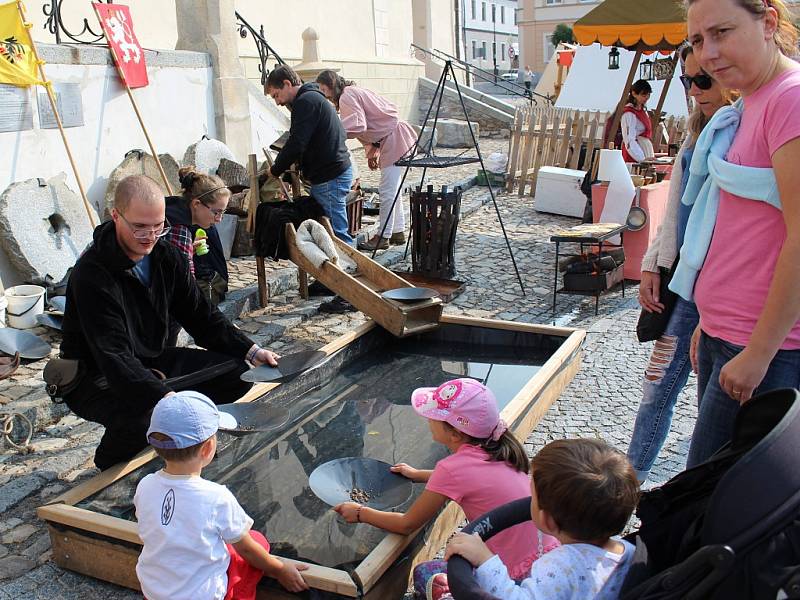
464,403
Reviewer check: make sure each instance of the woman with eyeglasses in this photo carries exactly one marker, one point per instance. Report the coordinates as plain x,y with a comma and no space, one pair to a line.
201,205
635,124
739,261
668,369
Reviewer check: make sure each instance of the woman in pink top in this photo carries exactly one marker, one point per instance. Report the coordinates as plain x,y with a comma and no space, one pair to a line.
374,122
488,467
747,292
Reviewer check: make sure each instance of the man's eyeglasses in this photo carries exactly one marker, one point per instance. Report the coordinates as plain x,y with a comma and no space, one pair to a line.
144,233
702,81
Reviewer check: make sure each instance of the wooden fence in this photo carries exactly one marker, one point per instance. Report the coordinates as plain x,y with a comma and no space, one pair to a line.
556,137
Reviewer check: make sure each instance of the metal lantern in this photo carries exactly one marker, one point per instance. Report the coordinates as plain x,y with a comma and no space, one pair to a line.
646,70
613,59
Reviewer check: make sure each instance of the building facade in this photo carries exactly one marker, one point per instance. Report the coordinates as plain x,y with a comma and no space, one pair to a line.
537,21
490,35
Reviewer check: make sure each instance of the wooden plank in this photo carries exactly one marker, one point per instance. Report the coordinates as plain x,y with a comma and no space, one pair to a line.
98,558
509,325
530,144
591,139
560,156
87,520
302,280
263,295
252,194
533,166
516,143
577,143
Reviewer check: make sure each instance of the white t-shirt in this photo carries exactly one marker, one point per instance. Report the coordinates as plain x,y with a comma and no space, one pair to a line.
569,572
185,522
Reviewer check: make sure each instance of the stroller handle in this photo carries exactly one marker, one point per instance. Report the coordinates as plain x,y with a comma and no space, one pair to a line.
460,575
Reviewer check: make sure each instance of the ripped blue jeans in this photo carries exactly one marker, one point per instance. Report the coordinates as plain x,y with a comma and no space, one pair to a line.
665,377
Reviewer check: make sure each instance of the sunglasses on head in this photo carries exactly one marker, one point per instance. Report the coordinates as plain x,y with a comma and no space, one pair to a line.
702,81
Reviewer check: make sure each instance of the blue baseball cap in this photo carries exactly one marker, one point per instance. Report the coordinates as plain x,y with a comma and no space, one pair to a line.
188,418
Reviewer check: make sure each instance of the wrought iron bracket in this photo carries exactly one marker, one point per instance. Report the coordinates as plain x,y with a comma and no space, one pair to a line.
55,25
262,47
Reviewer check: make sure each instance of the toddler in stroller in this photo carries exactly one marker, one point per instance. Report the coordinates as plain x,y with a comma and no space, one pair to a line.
726,529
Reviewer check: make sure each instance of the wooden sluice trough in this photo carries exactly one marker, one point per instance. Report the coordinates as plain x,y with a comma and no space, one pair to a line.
363,288
356,403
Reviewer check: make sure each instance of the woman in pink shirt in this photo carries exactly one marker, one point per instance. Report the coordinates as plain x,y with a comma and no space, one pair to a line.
374,122
488,467
747,292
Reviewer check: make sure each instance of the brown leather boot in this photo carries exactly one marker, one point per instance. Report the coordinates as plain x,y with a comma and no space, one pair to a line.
381,243
398,238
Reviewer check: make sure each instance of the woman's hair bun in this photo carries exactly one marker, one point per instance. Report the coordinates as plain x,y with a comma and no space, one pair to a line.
187,176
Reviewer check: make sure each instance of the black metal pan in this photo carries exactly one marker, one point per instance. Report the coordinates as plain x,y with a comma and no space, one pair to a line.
410,294
254,417
363,480
289,366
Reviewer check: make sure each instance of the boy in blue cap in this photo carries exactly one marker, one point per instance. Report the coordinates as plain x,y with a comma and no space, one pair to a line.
197,539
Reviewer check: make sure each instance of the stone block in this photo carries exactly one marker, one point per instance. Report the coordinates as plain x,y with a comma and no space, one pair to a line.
44,227
453,133
18,534
139,162
207,154
233,174
428,140
13,566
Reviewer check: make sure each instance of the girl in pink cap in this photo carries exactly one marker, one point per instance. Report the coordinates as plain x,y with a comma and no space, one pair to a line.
488,467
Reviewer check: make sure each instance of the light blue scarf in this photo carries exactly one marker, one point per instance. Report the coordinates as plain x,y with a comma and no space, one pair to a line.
708,174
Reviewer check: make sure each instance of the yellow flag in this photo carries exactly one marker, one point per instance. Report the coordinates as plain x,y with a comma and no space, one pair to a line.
17,62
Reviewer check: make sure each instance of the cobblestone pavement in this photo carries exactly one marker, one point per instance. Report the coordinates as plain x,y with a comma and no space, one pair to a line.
601,401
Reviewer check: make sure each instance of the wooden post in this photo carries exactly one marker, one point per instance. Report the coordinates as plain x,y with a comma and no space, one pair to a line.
48,86
622,101
253,193
657,114
559,80
136,109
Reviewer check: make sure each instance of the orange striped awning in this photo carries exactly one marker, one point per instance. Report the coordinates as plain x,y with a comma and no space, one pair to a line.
634,24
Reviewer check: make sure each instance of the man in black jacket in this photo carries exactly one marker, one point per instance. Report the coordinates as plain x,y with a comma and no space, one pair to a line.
317,141
120,297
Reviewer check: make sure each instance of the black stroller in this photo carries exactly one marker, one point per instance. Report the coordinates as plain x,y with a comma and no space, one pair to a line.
727,529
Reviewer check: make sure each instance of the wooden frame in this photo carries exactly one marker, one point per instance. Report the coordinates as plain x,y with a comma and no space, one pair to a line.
106,547
363,288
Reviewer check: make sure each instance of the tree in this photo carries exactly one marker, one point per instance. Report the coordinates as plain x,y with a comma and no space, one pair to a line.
562,33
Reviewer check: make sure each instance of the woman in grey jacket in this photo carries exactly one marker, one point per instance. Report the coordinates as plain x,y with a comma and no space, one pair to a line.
669,366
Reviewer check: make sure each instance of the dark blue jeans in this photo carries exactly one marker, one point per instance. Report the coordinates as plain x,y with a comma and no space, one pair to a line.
665,377
716,410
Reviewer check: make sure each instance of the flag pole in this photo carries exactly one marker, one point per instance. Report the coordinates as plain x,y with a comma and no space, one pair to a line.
48,86
135,106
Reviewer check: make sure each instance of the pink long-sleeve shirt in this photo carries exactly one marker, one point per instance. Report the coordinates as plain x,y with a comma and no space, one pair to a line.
369,118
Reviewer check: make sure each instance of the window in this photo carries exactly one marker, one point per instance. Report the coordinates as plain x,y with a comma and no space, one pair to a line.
474,9
515,17
502,52
549,2
474,49
494,51
483,11
502,14
483,50
549,49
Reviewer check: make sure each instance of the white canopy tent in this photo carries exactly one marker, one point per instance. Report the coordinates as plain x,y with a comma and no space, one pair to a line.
591,85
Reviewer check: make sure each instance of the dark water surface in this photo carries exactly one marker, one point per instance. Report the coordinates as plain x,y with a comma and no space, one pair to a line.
356,404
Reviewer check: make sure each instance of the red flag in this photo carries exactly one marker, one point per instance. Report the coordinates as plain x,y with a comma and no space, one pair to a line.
115,19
